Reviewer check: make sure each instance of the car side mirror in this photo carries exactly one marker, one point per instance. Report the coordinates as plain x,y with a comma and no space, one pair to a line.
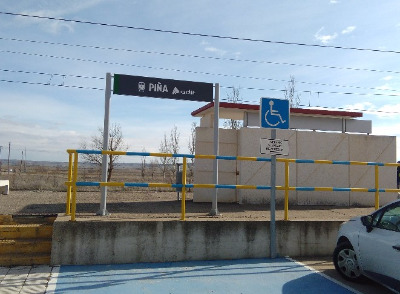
367,222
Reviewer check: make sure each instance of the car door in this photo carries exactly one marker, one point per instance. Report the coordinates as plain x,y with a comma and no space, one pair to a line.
380,248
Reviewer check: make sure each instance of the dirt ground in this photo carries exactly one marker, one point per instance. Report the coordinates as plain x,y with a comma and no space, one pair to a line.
145,205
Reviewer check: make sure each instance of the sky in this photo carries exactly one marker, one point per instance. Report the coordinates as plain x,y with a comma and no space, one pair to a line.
52,72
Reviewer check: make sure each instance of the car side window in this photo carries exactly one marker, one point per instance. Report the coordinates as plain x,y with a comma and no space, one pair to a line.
376,218
389,218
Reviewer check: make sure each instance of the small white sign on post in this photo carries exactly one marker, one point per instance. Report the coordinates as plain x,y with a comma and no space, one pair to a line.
274,146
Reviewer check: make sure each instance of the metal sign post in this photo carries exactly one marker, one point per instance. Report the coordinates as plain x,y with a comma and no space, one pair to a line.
214,209
273,198
274,114
104,163
150,87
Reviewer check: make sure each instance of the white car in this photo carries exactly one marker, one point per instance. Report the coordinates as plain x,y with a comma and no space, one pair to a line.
369,246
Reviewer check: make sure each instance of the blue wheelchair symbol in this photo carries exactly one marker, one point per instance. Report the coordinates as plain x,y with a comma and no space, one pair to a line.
274,113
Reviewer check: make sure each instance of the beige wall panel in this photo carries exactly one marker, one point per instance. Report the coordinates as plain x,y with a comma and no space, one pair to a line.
372,149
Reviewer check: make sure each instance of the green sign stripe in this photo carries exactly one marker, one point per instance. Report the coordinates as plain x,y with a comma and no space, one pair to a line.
116,84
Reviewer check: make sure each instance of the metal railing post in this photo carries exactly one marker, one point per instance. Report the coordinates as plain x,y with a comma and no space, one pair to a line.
69,188
183,203
376,187
286,216
74,180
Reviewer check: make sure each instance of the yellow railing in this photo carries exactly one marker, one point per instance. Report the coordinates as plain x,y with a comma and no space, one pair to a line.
72,182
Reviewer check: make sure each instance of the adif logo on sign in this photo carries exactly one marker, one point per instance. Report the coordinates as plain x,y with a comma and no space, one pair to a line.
175,91
187,92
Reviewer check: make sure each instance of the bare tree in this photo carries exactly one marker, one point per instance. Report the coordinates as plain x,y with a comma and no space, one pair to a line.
115,143
153,167
164,161
169,145
291,93
143,164
233,97
174,148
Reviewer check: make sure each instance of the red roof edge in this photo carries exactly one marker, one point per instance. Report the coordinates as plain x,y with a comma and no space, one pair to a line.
326,112
292,110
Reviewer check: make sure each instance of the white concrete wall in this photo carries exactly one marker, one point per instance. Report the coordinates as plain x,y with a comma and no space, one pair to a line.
302,145
258,173
375,149
330,146
204,167
109,242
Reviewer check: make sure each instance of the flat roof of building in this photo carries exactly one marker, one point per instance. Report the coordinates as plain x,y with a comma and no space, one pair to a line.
234,110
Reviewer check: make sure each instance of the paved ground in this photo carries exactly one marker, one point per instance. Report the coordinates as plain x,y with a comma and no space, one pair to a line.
25,279
223,276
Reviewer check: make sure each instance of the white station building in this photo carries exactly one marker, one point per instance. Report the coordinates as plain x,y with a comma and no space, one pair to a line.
313,134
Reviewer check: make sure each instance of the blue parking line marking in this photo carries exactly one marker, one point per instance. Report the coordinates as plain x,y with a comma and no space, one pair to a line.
279,275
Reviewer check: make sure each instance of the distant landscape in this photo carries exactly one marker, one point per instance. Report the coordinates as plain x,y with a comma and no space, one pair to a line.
51,176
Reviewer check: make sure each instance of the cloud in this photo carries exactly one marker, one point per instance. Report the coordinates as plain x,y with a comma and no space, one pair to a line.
387,129
56,10
41,143
209,48
324,38
348,30
384,87
334,2
327,38
387,111
215,50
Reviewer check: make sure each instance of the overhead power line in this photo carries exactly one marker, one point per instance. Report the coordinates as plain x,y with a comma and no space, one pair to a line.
50,74
267,79
353,109
192,72
245,88
50,84
102,89
197,34
320,92
206,57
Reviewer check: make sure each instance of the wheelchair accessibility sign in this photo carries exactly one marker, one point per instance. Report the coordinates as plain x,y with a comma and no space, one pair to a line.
274,113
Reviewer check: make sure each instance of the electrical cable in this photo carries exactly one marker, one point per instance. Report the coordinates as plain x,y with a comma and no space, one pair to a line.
197,34
50,74
49,84
226,59
192,72
102,89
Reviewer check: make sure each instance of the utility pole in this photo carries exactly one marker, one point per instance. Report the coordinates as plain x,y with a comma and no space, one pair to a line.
22,161
25,162
8,165
0,158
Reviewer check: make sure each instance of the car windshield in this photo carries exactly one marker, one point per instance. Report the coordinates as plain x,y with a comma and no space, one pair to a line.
388,219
